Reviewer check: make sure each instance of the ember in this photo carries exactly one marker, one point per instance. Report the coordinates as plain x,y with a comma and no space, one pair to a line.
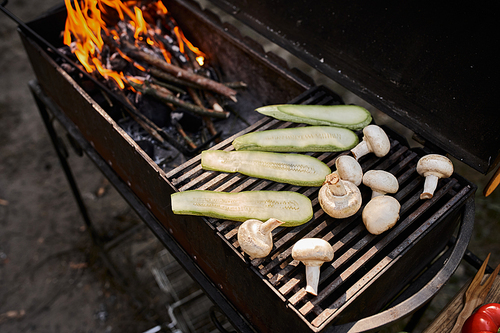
141,53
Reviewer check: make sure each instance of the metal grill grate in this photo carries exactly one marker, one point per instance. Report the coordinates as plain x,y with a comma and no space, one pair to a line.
360,257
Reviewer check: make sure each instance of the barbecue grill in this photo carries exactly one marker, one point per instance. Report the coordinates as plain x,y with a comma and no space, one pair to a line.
373,280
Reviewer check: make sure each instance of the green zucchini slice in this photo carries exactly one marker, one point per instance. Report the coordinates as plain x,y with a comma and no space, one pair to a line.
299,139
291,207
353,117
295,169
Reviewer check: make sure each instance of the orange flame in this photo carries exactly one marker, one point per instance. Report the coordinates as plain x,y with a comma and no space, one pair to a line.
86,22
181,39
140,24
161,9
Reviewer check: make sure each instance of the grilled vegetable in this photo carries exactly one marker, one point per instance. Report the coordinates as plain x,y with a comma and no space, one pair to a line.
312,252
299,139
290,207
348,116
433,167
339,198
295,169
375,140
380,214
255,237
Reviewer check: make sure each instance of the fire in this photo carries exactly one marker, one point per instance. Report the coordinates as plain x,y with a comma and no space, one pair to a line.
88,21
200,56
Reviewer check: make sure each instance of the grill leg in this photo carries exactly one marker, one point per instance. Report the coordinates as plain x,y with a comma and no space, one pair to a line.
62,155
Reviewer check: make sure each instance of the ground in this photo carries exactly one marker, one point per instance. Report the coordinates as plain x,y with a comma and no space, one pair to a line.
51,277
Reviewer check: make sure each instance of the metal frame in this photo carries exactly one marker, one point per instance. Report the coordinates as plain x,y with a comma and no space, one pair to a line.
47,108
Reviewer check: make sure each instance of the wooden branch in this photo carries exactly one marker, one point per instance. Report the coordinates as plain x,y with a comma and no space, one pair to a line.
170,78
208,121
212,101
173,50
167,96
235,85
206,83
142,120
168,86
186,138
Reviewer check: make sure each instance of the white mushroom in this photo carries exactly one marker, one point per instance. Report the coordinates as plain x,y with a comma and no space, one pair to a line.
375,141
381,182
255,237
433,167
380,214
312,252
349,169
339,198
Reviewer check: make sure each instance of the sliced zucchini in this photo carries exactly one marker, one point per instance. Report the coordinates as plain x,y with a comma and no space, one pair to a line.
291,207
348,116
295,169
299,139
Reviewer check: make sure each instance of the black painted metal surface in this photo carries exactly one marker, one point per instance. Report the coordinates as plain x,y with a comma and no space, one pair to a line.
277,302
427,64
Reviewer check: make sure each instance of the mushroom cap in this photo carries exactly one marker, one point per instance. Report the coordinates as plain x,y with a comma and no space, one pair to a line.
380,214
435,165
381,181
340,207
377,140
312,251
349,169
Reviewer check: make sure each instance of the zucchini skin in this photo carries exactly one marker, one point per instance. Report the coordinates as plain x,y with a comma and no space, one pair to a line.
319,115
291,207
294,169
299,139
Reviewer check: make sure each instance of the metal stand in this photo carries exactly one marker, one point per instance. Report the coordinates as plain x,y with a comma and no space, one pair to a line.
49,111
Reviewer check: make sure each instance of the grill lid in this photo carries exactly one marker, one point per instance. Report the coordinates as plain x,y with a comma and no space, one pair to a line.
426,64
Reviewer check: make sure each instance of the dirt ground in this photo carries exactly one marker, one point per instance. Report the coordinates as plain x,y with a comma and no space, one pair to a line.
51,277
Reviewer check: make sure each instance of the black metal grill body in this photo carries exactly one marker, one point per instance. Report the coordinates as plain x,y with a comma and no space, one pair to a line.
367,272
416,62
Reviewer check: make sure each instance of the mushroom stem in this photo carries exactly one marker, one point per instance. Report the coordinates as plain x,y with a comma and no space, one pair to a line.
312,279
339,198
430,185
269,225
335,185
360,150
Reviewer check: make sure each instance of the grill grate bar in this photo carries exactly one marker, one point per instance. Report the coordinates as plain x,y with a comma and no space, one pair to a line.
370,253
403,164
357,252
325,314
322,225
392,158
359,246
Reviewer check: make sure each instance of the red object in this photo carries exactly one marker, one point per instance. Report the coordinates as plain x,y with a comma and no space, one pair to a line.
485,320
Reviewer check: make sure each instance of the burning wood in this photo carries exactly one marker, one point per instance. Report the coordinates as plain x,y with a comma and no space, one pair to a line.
168,97
178,72
121,42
